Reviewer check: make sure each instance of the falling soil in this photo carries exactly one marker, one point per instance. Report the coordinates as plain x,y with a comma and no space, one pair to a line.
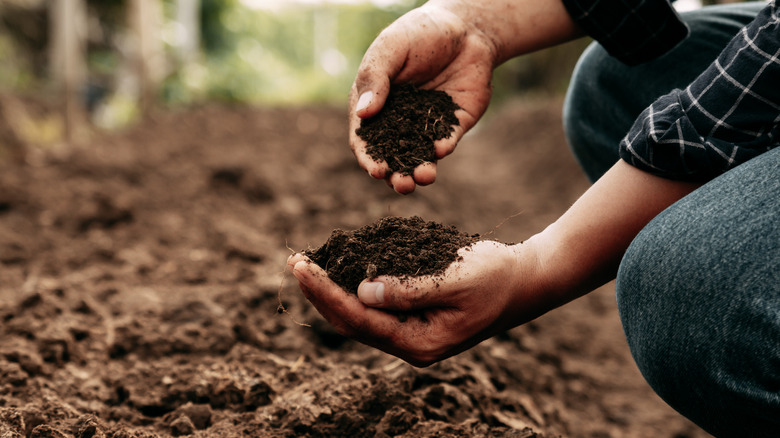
402,247
404,131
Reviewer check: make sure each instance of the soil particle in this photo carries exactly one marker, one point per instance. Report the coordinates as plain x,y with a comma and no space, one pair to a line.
403,132
396,246
198,414
182,426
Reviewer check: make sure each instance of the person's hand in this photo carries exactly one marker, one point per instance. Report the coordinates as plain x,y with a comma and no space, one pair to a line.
451,46
433,48
426,319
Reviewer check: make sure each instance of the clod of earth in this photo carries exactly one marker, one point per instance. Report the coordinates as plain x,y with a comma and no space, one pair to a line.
396,246
404,131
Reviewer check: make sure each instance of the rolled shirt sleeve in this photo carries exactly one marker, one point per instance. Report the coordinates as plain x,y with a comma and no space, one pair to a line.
726,116
633,31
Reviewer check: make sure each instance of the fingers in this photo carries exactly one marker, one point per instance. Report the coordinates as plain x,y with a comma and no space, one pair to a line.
404,294
343,310
403,184
425,174
400,337
321,291
376,169
388,59
378,67
420,339
480,266
446,146
365,99
368,95
422,175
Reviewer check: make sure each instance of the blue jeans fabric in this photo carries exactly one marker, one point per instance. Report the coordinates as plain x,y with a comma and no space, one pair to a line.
698,290
699,297
605,96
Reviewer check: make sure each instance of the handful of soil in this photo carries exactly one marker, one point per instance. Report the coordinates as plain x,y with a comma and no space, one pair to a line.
403,132
402,247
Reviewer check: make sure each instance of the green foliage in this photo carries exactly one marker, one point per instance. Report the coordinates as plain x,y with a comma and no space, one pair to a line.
311,53
297,54
213,36
15,70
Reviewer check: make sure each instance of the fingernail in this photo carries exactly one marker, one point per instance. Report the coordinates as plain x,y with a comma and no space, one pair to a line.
298,273
376,174
364,100
372,293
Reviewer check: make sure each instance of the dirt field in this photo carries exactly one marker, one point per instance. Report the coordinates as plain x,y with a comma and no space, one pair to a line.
140,277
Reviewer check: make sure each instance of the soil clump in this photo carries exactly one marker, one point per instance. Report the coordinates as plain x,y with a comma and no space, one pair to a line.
403,132
397,246
141,273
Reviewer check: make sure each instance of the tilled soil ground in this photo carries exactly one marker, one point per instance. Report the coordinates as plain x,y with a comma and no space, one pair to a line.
140,275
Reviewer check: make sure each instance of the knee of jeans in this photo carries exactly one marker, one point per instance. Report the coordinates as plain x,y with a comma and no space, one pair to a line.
642,299
701,348
659,312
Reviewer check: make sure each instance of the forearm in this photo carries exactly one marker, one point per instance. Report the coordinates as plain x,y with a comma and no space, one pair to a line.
515,27
583,248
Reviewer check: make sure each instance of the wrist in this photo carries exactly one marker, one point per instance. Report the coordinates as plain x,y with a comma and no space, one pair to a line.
515,27
479,20
531,292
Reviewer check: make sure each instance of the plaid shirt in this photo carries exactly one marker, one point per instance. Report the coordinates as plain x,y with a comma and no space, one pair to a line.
633,31
726,116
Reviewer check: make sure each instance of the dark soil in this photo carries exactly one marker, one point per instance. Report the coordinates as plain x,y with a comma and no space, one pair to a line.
141,272
404,131
401,247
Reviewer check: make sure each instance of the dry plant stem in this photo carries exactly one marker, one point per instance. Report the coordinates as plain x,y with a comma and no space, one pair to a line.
507,219
281,308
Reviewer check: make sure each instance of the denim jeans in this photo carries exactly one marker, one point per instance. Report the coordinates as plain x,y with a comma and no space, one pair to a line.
698,289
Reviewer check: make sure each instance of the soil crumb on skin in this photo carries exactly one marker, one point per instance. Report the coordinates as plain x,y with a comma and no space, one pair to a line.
402,247
404,131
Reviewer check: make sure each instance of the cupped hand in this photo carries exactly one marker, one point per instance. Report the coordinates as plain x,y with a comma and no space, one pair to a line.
433,48
426,319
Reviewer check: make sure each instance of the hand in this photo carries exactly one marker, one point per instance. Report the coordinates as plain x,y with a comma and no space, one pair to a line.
494,286
433,48
427,319
452,46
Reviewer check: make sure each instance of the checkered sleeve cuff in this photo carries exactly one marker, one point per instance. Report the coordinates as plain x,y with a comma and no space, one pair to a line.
726,116
633,31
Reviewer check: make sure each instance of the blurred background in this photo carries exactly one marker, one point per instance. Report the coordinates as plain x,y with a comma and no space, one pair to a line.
70,67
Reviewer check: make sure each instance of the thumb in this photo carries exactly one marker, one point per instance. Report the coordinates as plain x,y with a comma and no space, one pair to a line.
371,293
400,294
369,95
372,83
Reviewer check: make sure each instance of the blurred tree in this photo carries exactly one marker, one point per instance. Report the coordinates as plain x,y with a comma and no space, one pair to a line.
26,24
145,18
67,48
188,25
214,37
